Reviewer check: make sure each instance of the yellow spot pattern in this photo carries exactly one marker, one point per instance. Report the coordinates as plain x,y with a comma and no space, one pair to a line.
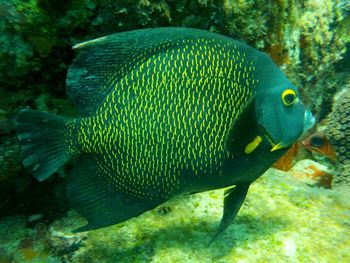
166,121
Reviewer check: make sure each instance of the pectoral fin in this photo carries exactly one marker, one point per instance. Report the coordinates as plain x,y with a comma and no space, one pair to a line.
233,201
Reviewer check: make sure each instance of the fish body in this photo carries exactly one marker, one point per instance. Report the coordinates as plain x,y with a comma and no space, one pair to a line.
164,112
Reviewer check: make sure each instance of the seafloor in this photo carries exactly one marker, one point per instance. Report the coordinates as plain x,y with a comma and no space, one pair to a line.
283,219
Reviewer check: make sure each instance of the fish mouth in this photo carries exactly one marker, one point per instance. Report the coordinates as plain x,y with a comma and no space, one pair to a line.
275,146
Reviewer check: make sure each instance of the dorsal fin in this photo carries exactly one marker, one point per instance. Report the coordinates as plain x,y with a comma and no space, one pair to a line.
104,61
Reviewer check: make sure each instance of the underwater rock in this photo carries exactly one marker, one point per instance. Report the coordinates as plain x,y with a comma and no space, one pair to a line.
313,173
63,244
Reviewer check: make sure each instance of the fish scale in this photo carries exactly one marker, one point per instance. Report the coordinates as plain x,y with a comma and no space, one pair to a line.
164,112
162,95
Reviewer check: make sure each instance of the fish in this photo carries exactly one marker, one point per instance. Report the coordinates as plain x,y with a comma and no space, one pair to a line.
164,112
332,138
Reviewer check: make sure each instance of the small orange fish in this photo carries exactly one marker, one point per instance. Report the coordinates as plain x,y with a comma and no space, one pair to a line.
319,143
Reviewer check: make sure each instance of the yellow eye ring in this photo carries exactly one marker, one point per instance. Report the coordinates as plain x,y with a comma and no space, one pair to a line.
289,97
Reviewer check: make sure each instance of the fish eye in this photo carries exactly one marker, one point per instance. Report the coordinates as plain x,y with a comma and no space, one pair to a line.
289,97
317,141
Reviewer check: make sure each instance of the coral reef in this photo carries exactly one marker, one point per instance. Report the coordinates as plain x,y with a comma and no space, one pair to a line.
282,219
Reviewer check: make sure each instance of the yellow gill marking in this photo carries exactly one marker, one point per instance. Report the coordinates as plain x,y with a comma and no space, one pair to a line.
253,145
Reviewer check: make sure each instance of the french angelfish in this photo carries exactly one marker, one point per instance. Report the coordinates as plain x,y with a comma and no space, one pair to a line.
164,112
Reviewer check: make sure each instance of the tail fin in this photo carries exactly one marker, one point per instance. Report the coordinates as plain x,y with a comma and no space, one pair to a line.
42,142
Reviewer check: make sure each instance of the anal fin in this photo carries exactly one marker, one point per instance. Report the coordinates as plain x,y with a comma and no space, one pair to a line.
98,200
234,198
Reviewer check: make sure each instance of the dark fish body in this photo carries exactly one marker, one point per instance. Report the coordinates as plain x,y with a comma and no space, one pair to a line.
165,122
164,112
